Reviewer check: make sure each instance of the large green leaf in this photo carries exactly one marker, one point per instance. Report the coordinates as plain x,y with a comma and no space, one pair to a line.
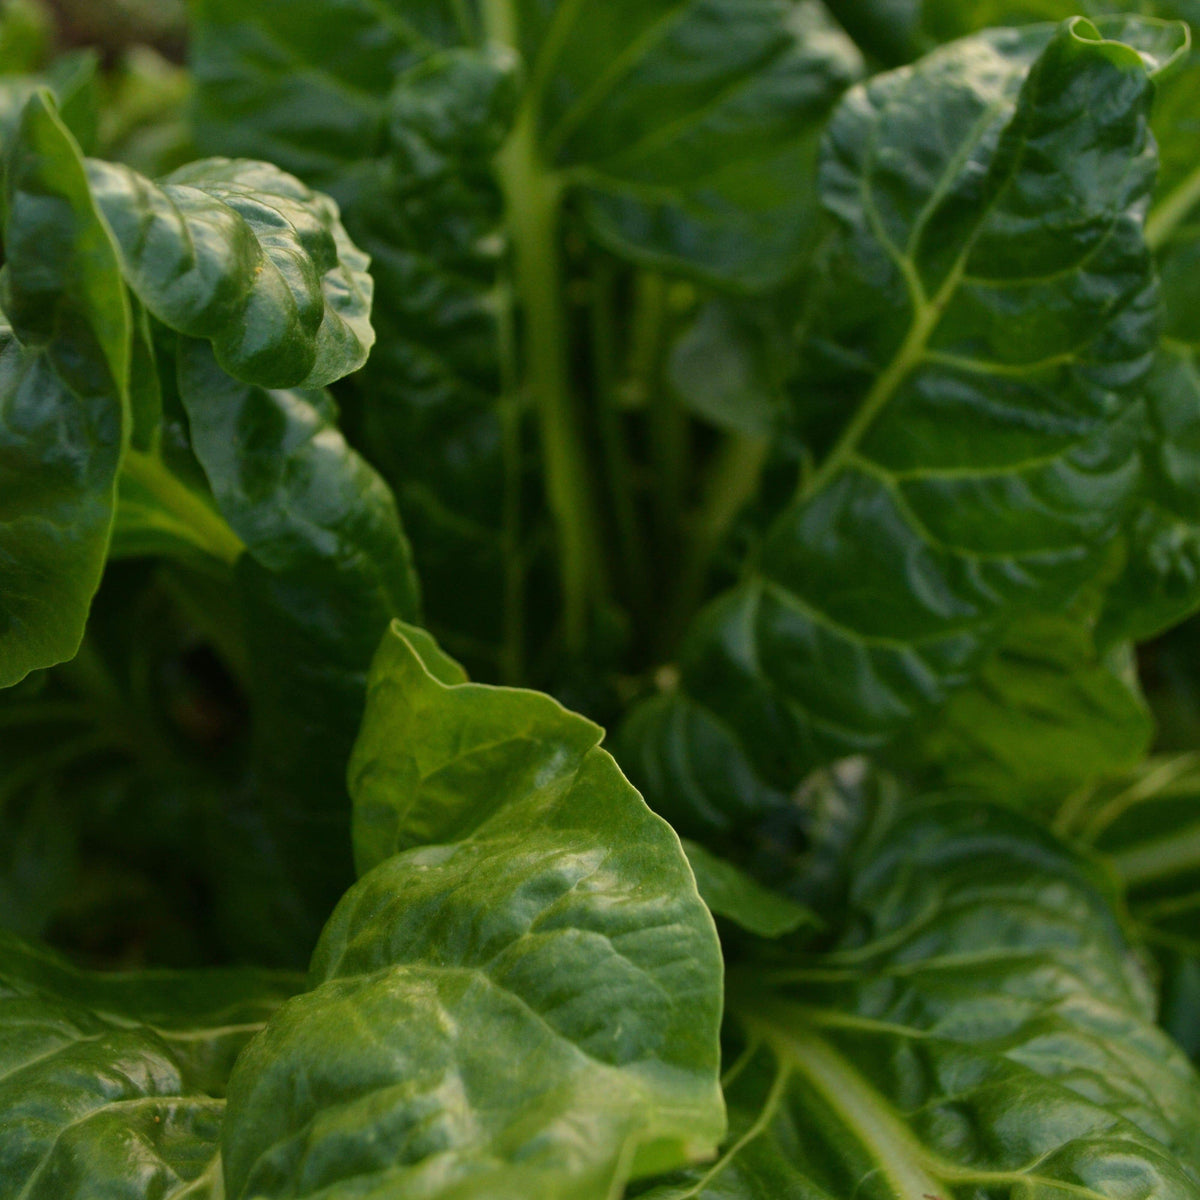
521,995
987,315
239,254
114,1084
64,399
981,1029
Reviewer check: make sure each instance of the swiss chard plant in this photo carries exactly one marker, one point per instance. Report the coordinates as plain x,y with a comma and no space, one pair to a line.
596,600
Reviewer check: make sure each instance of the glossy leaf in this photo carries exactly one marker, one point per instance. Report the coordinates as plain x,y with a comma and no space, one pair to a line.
243,255
64,403
985,471
980,1029
519,997
114,1084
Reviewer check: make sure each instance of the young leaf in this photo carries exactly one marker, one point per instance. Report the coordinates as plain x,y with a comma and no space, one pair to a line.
980,1029
114,1084
521,994
984,472
244,255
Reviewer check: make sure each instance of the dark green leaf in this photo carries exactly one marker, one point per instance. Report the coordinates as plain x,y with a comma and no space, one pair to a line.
327,567
113,1085
987,314
981,1029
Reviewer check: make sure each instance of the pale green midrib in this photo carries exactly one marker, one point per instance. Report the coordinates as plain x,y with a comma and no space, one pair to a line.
1159,858
1173,210
210,530
912,351
912,1169
902,1160
533,197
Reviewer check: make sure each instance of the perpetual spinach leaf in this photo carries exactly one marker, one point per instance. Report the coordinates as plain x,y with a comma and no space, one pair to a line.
244,256
520,997
984,472
114,1084
981,1028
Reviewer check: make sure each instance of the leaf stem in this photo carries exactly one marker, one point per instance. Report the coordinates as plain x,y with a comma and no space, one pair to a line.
202,521
533,201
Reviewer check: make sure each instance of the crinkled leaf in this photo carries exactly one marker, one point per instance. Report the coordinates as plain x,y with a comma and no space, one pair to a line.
113,1084
988,315
521,994
982,1028
247,257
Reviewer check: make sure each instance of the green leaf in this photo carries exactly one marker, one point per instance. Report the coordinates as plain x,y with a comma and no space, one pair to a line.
731,893
326,567
981,1028
984,472
113,1084
523,1001
1046,714
64,406
243,255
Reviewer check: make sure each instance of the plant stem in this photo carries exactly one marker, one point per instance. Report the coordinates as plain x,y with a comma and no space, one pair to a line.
203,524
533,202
